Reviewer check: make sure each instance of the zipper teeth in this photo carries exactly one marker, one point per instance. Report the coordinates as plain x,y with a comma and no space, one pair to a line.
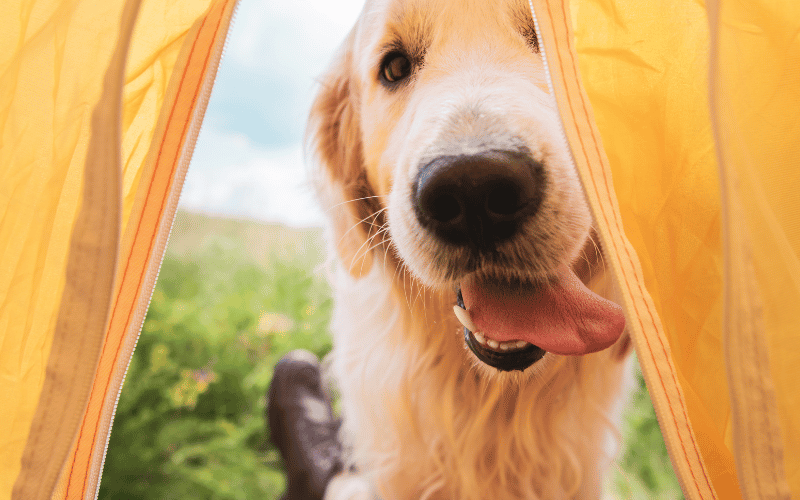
141,310
656,402
561,128
612,263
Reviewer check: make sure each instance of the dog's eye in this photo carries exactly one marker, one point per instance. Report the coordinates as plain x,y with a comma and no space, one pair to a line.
395,67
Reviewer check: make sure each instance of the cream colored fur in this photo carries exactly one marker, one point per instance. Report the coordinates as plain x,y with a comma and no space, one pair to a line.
423,418
424,421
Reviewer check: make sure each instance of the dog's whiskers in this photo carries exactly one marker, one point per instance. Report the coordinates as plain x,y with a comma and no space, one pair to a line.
382,230
370,216
599,253
397,270
585,257
405,287
420,293
350,201
386,240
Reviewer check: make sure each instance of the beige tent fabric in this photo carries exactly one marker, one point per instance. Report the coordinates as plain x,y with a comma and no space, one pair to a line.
89,286
45,134
755,102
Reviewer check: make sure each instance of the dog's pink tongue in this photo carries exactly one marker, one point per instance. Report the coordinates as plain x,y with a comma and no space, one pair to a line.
563,317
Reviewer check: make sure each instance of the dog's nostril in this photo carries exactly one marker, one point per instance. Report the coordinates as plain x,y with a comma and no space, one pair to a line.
503,199
478,199
445,207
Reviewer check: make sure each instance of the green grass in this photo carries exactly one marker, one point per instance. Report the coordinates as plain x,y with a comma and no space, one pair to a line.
228,304
642,469
231,299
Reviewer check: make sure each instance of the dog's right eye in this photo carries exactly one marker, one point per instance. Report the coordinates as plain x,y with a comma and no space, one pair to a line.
395,67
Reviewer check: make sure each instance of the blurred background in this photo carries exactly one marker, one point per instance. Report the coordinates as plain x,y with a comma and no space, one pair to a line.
241,284
249,159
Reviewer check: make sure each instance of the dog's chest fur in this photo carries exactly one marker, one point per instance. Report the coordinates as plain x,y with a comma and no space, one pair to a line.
422,422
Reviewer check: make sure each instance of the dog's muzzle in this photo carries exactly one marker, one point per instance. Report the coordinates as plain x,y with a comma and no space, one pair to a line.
474,203
478,201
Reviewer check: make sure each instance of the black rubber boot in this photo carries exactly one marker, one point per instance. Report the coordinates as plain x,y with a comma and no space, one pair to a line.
303,427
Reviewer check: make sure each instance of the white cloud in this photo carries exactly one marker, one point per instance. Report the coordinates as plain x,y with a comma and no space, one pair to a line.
264,88
231,176
293,36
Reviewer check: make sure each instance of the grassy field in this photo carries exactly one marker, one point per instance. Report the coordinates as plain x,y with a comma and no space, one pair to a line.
232,298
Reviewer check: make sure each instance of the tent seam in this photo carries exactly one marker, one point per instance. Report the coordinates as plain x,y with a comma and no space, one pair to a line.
614,243
130,256
681,402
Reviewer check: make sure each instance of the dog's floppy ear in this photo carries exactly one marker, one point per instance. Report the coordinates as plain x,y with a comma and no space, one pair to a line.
334,137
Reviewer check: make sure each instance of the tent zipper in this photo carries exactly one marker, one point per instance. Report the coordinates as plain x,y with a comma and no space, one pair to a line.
166,230
656,401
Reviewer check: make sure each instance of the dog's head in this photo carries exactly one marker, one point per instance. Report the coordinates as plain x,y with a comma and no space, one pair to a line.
441,148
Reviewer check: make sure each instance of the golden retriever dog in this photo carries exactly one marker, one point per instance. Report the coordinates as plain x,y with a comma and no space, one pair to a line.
474,353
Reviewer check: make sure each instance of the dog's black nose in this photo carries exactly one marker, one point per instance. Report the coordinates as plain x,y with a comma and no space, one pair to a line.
479,199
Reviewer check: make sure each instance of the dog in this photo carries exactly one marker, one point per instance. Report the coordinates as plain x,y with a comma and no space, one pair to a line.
475,353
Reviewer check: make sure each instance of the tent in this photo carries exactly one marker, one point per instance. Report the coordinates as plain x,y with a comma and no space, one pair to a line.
684,124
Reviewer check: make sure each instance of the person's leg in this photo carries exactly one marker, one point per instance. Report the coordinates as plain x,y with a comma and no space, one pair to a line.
303,427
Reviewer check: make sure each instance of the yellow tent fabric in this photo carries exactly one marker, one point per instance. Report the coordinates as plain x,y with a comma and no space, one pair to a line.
92,157
633,92
554,20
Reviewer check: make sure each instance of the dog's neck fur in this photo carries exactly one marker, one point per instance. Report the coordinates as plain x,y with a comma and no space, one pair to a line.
424,421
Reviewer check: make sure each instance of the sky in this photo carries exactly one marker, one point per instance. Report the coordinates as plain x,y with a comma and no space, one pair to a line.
248,161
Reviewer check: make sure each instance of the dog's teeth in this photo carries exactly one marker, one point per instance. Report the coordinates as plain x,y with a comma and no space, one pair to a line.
511,345
465,319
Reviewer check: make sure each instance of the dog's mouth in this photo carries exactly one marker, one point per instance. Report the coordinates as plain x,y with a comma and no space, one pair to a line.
511,324
504,356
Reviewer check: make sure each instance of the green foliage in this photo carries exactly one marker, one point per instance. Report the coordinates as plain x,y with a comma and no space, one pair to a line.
643,467
190,421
